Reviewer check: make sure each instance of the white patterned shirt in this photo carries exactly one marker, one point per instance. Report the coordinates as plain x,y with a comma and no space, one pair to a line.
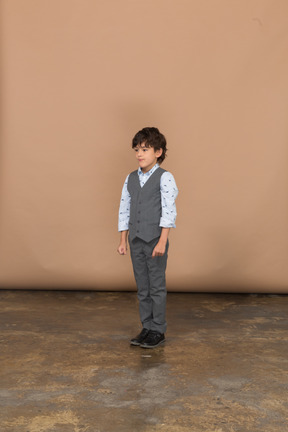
168,191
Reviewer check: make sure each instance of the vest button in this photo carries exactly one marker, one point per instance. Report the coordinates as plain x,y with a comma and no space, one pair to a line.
137,230
138,221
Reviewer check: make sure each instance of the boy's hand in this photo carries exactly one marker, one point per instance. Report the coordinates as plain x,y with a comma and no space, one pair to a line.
122,249
159,249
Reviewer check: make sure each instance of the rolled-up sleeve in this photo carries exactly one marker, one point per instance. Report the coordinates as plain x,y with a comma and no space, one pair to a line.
169,192
124,208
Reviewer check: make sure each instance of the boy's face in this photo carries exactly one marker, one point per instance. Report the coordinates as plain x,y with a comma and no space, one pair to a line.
146,156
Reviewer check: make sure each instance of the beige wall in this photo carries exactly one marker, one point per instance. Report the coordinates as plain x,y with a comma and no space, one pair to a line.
80,78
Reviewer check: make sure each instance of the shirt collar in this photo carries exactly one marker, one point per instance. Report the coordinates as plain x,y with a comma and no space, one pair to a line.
150,172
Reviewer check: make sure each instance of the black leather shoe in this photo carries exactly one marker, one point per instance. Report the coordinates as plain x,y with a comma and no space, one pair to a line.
153,339
140,337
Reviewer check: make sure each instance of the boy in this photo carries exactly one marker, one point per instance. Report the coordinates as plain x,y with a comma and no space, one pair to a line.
147,211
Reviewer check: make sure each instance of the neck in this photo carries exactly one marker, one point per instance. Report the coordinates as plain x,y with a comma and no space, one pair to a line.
145,170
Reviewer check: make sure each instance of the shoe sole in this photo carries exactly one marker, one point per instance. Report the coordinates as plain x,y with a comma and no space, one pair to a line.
152,346
135,343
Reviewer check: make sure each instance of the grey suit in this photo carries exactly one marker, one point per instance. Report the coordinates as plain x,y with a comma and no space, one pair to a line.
144,233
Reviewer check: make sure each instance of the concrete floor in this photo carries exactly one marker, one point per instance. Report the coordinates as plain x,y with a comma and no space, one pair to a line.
67,366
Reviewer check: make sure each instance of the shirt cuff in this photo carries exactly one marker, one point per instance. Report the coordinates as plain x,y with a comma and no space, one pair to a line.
165,223
122,226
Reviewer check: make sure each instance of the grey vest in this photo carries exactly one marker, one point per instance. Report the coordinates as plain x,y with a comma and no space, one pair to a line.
145,207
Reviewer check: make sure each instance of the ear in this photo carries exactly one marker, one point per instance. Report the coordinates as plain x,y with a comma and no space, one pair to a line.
159,152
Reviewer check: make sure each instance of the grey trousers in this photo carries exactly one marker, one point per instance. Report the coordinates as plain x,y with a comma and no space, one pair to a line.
151,283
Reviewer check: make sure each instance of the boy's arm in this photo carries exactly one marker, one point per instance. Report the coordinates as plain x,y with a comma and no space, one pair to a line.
169,192
159,249
124,208
122,248
123,218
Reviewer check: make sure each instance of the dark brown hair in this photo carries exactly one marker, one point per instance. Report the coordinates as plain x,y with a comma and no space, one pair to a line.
151,137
